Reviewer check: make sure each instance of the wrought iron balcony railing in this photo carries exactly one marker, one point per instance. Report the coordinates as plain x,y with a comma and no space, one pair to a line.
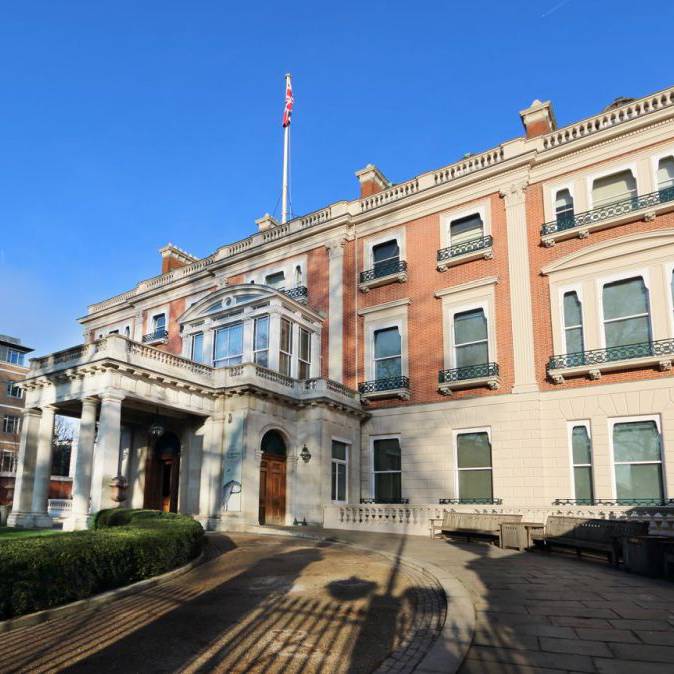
384,501
634,502
298,293
468,372
155,336
662,347
470,501
612,210
383,385
463,248
385,268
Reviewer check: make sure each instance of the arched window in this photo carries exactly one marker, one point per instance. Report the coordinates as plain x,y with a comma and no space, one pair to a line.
298,275
614,187
666,174
273,443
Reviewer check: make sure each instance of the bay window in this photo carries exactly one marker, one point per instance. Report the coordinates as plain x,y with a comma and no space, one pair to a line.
340,470
387,353
626,312
228,346
387,470
471,345
473,458
261,341
286,347
198,347
573,323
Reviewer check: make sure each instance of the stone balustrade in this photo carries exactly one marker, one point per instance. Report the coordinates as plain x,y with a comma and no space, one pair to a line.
60,508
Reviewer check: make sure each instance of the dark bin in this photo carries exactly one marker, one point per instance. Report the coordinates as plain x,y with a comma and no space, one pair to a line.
646,555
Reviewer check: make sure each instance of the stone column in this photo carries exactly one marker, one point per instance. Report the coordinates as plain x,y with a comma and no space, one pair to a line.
83,467
107,450
210,487
22,508
520,288
43,460
336,309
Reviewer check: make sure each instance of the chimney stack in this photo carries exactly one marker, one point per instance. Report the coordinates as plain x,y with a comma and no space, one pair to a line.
266,222
538,119
173,257
371,180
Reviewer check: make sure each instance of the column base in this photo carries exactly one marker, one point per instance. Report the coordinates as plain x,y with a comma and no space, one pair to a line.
21,520
77,522
208,522
43,521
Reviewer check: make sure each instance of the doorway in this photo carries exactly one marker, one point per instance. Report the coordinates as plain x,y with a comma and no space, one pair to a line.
273,479
163,474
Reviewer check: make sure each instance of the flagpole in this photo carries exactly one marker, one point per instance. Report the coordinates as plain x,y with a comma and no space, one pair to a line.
286,140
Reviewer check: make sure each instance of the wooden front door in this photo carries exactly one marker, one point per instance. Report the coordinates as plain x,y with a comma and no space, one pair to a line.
272,489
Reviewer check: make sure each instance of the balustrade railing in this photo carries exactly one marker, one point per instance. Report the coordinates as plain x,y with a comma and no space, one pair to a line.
383,269
384,501
298,293
608,211
468,372
383,385
464,248
631,502
662,347
155,336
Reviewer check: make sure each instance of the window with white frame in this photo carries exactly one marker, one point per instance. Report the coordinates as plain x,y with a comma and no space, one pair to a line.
261,341
564,207
198,347
228,345
473,460
340,471
626,312
10,424
276,280
304,354
387,353
387,469
471,342
15,357
637,457
573,323
158,323
385,258
14,390
666,173
581,459
7,461
614,187
286,347
466,229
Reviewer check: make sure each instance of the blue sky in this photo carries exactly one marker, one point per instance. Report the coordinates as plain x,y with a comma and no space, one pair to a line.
128,124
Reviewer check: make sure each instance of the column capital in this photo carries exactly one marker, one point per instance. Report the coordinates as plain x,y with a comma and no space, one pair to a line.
112,396
335,248
89,400
514,193
48,408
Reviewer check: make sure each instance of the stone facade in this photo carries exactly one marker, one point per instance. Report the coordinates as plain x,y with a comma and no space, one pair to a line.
278,341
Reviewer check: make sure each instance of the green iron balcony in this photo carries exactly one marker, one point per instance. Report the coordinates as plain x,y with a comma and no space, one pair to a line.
469,376
470,501
384,501
463,252
384,272
160,335
388,387
298,293
613,213
596,361
633,502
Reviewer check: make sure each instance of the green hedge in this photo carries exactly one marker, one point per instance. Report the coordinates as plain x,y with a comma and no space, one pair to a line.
124,547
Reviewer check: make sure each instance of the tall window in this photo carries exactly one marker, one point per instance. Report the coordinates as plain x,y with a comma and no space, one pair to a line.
573,323
158,323
276,280
564,208
14,390
666,174
7,461
626,312
340,459
286,350
228,347
198,347
261,341
466,229
127,331
15,357
298,275
387,470
470,338
473,457
638,460
387,353
615,187
581,454
10,424
385,257
304,355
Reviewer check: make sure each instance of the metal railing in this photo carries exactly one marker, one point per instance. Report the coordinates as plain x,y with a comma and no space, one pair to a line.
155,336
636,502
662,347
381,269
468,372
470,501
297,293
607,211
383,385
385,501
466,247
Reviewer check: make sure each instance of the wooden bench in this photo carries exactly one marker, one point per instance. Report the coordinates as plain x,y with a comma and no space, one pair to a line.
476,525
603,537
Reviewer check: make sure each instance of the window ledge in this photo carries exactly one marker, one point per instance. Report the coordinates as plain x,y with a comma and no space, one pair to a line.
491,382
647,214
594,371
398,277
485,254
400,393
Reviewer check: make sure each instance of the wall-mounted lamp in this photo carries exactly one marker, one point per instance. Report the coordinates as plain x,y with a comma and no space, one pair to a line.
305,454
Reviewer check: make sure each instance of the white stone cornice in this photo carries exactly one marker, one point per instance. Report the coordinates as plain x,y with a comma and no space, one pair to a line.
479,283
384,306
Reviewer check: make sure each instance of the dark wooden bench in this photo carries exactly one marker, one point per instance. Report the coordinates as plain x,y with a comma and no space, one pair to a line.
604,537
476,525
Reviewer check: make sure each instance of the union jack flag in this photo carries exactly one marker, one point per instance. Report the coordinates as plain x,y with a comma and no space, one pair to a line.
290,101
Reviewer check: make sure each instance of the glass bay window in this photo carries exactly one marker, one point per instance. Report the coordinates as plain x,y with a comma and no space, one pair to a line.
228,346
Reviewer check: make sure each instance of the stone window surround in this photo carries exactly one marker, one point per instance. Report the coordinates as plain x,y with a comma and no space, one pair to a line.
570,425
455,455
397,234
384,436
655,160
612,421
286,266
349,445
155,311
388,315
482,208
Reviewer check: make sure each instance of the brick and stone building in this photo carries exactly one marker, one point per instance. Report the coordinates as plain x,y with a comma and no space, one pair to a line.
495,333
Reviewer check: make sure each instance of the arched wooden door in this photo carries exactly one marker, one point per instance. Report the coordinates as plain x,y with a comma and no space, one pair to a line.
273,479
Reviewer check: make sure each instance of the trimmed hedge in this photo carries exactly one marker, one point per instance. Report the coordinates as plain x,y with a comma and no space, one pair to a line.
124,547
